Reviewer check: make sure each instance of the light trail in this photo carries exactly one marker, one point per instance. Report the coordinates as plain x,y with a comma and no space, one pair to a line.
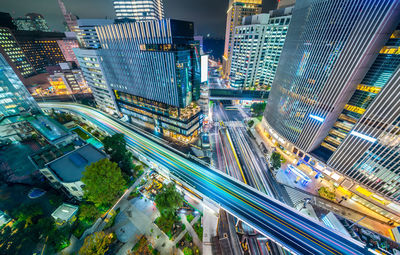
270,217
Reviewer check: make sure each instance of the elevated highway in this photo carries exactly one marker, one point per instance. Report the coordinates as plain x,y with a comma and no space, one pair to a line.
275,220
232,94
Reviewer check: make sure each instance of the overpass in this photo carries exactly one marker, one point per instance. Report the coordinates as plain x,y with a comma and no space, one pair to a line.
275,220
236,94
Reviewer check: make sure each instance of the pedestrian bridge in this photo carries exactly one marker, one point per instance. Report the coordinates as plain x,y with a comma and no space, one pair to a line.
236,94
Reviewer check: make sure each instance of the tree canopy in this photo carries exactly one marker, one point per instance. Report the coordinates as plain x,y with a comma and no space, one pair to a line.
258,108
115,147
168,200
96,244
276,160
103,182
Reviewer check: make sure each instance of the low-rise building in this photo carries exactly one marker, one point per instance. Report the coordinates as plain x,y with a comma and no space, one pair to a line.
66,171
65,213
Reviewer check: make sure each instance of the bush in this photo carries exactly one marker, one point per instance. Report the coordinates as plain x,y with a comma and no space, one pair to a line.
326,193
189,218
199,230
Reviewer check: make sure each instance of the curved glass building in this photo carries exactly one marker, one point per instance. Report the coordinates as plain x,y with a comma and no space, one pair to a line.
334,102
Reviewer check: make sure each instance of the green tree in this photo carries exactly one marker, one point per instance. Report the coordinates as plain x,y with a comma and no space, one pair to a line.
276,160
103,182
58,239
27,212
258,108
115,147
168,200
187,251
88,212
96,244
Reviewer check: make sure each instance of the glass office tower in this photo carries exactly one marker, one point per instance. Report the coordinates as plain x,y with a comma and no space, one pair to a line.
139,10
334,100
13,53
153,67
257,46
237,10
14,97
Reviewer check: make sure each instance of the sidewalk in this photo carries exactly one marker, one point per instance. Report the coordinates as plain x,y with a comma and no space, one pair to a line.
315,184
141,214
210,223
189,228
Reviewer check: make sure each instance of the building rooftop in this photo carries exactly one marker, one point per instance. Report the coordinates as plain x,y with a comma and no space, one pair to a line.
69,167
64,212
49,128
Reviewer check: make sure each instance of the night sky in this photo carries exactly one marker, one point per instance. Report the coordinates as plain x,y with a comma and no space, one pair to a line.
209,16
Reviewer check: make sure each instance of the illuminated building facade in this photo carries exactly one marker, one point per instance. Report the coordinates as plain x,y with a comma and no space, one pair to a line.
32,22
14,55
14,97
257,46
139,10
153,68
89,61
336,106
68,81
67,46
238,9
41,49
87,32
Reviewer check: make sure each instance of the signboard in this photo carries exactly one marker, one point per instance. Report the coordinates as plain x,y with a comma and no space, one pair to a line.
204,68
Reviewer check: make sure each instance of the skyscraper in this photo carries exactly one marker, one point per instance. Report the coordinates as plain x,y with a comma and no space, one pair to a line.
89,61
153,68
14,55
67,45
236,11
41,48
14,97
333,102
139,10
257,46
87,32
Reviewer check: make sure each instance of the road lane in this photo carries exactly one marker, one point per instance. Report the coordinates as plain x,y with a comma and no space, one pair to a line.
268,216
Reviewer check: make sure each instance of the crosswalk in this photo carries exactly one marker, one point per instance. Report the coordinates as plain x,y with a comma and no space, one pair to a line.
297,196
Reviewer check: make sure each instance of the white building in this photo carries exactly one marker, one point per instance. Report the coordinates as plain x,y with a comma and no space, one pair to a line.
257,46
90,65
139,10
66,171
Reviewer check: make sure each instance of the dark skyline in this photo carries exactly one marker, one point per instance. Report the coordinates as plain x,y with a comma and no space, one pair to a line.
209,16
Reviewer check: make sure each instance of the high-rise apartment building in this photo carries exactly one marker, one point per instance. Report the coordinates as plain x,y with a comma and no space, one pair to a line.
238,9
41,48
257,46
139,10
153,68
32,22
334,100
87,32
14,55
67,46
14,97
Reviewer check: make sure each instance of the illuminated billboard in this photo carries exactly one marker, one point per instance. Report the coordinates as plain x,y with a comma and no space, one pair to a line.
204,68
